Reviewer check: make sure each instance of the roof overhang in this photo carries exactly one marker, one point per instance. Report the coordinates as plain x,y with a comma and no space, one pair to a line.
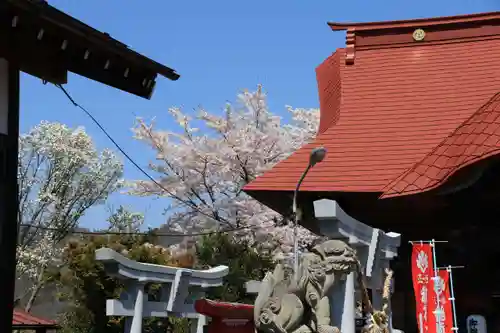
35,327
416,23
47,43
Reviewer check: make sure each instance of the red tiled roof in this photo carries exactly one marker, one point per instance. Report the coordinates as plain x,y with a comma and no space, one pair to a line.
477,138
226,310
329,81
395,106
22,318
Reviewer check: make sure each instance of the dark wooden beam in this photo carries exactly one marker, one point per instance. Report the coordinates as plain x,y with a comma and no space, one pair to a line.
51,43
9,205
41,62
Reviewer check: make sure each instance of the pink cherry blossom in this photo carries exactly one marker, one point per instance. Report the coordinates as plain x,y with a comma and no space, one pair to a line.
204,165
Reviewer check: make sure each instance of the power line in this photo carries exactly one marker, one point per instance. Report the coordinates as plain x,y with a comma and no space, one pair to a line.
172,195
131,160
139,233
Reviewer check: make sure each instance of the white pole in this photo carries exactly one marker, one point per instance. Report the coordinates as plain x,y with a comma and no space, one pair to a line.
297,216
452,299
317,155
437,311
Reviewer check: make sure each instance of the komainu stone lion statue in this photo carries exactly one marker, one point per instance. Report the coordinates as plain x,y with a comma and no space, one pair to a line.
303,305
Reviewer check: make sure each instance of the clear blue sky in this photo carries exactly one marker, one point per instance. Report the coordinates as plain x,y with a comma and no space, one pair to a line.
218,47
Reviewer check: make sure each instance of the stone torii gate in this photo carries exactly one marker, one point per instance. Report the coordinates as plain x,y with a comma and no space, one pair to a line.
180,287
375,249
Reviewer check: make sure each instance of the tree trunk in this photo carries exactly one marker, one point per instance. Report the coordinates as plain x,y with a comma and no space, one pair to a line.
34,293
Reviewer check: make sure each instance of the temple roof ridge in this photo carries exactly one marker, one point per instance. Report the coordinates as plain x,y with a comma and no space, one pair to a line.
414,23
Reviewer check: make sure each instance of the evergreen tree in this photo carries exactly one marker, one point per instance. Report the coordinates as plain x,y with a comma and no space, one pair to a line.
245,263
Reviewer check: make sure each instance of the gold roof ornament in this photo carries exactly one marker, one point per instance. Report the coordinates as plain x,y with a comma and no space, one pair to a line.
418,35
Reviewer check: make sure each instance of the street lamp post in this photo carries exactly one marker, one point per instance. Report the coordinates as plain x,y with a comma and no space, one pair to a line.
317,155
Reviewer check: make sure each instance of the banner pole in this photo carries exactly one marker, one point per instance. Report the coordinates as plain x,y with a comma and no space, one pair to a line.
426,242
437,311
452,299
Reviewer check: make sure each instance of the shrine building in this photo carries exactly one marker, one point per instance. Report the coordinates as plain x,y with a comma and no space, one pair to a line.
410,118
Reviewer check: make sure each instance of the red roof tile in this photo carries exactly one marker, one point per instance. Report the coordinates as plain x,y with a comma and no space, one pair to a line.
329,81
22,318
395,106
477,138
226,310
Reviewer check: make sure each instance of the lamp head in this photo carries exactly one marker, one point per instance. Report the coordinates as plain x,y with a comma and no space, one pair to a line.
317,155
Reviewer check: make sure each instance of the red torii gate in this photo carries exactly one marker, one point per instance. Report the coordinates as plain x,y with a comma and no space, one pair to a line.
226,317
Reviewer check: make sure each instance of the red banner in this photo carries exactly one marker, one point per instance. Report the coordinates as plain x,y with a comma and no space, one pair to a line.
443,315
422,270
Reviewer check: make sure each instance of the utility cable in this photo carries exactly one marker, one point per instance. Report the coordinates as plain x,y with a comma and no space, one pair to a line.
140,233
130,159
135,164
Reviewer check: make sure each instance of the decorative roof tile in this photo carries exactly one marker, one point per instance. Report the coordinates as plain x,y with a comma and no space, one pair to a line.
477,138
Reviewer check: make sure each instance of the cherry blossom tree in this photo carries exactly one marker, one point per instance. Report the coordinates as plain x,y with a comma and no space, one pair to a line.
204,166
61,175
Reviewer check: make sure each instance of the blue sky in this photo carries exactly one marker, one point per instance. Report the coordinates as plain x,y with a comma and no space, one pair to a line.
218,47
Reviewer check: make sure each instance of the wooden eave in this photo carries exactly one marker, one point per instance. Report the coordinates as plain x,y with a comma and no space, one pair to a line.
47,43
